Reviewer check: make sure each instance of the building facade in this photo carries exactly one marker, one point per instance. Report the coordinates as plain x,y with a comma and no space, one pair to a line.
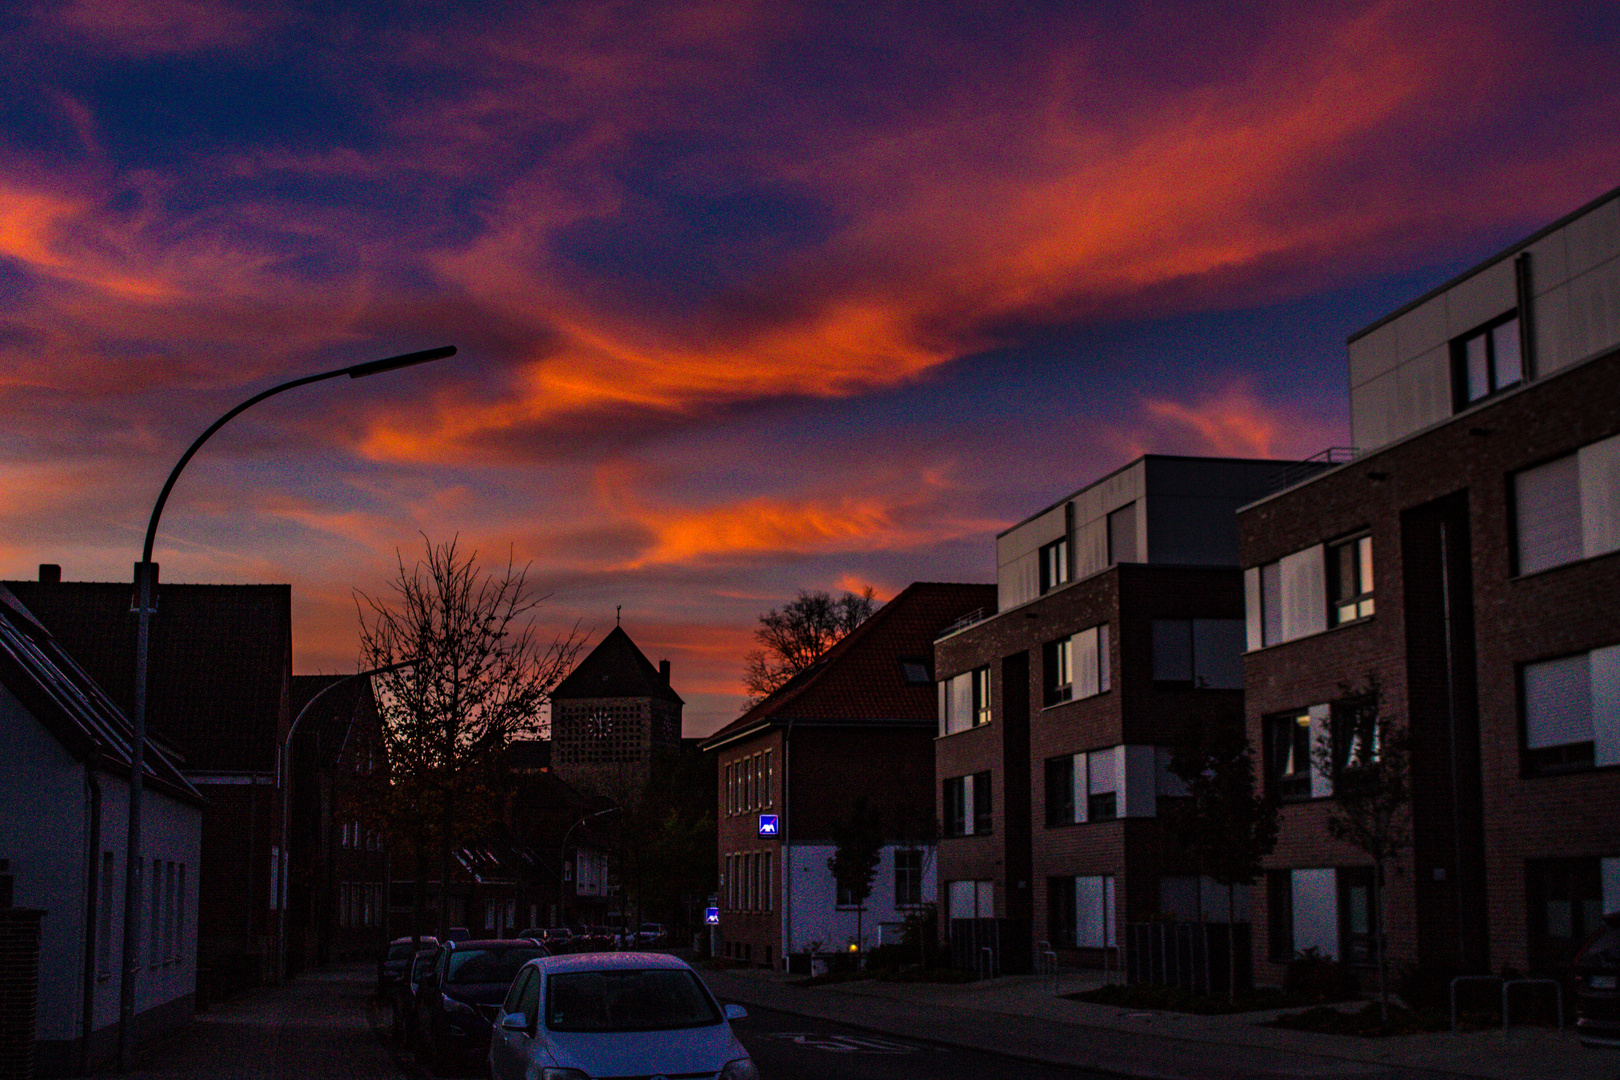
1458,574
1119,620
857,725
218,696
64,818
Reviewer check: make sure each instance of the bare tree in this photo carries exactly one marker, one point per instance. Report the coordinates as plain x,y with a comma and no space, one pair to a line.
477,676
1368,756
795,636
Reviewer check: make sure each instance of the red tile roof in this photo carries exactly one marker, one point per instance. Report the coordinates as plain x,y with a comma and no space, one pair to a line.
860,679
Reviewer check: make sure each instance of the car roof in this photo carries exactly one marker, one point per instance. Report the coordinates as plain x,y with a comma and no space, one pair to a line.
493,943
426,939
609,961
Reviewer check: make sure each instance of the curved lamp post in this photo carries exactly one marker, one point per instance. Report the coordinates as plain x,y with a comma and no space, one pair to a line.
143,616
562,858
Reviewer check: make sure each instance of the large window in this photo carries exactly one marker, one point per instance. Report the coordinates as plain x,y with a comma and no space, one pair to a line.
967,806
908,875
1568,508
1205,654
1060,790
1289,737
1487,360
971,899
1286,599
1350,579
964,701
1058,663
1054,564
1080,912
1572,711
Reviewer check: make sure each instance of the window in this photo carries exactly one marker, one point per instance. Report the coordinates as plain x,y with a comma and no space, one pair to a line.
981,803
1567,900
1122,535
731,789
1089,659
1568,508
1058,657
1289,738
105,916
1094,912
1060,790
914,670
766,886
1060,912
770,790
1350,579
1358,917
1054,564
1205,654
1083,787
1355,737
967,805
908,870
1286,599
1572,711
1280,915
964,701
971,899
1486,361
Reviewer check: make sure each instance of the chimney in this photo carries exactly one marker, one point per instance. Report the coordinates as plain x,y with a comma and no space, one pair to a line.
663,671
50,573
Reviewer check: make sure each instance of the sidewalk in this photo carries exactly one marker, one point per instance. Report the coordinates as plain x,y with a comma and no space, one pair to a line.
1019,1016
317,1025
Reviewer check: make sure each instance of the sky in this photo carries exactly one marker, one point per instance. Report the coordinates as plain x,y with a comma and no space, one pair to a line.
749,297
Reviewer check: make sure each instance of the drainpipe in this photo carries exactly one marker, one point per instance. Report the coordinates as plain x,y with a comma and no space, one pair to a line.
87,1005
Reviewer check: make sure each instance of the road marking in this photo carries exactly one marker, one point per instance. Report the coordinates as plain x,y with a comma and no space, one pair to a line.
847,1044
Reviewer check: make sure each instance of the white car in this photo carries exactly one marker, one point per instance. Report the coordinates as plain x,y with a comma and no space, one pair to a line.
591,1015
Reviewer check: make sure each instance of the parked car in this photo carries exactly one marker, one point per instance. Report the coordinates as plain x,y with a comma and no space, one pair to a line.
393,962
628,1014
458,997
555,938
649,935
1597,999
404,992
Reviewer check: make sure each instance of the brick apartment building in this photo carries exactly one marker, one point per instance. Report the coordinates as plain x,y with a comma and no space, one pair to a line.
1467,561
1118,618
860,722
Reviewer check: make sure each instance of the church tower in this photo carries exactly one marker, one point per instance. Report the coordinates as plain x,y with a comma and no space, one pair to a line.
610,716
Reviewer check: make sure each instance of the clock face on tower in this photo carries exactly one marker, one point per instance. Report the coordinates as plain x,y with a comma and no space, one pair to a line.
599,725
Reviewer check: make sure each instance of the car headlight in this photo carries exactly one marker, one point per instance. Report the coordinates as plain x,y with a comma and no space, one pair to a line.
741,1069
551,1072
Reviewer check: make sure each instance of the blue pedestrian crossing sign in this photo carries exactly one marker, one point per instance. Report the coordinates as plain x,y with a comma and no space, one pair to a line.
767,824
711,916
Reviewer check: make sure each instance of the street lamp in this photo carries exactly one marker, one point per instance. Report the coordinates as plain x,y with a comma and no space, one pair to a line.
562,858
284,767
143,616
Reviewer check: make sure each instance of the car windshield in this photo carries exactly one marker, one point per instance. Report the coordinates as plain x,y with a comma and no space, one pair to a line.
1603,950
647,1000
469,966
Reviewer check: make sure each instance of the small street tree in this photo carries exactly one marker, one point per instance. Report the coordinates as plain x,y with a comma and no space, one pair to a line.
477,676
1368,756
1224,823
796,635
854,861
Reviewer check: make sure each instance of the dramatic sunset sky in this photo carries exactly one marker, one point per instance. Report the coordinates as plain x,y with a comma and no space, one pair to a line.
750,297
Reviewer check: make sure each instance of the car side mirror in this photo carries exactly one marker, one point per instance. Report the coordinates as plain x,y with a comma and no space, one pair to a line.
515,1022
736,1012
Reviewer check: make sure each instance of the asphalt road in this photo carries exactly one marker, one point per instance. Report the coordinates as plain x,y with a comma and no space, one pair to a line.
793,1048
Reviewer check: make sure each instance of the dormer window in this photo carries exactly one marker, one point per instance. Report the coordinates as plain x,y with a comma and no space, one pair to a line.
1487,360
